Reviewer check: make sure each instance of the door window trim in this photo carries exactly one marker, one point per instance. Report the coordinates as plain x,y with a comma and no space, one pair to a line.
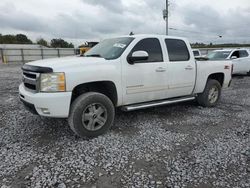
162,61
189,56
245,52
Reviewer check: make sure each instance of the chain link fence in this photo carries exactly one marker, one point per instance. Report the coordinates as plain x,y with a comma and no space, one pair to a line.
24,55
21,56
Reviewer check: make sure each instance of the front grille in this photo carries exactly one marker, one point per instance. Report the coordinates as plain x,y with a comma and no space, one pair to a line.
31,80
31,76
30,86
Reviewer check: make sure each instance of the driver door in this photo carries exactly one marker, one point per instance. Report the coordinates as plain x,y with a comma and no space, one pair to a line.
145,80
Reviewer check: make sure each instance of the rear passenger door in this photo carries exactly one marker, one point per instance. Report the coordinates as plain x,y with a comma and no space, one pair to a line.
181,68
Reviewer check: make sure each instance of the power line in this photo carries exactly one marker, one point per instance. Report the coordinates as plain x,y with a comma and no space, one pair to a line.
207,34
197,32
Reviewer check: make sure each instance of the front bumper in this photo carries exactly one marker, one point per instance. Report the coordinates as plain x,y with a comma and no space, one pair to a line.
29,107
46,104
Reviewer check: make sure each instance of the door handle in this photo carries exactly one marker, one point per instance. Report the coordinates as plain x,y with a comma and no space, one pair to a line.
160,69
189,67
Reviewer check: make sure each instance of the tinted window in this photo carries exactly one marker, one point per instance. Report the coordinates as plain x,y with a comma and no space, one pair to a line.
177,50
196,53
152,47
236,54
243,53
110,48
218,55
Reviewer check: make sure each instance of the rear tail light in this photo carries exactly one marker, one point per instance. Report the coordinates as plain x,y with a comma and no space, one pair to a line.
232,69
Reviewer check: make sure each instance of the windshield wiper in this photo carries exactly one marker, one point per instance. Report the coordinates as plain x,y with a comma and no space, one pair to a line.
93,55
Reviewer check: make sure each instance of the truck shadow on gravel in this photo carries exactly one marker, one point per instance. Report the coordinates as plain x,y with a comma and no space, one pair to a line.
240,76
126,123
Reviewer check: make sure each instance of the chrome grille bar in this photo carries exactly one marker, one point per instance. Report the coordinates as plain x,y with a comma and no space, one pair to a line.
31,80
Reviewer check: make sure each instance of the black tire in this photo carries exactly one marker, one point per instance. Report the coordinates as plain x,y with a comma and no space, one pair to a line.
204,98
79,109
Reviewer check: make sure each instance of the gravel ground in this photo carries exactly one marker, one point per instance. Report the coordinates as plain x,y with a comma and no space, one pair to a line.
181,145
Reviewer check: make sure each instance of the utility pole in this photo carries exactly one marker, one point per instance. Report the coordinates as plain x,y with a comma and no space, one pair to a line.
165,16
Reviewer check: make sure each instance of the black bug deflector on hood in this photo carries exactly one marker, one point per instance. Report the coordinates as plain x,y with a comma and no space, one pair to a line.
31,68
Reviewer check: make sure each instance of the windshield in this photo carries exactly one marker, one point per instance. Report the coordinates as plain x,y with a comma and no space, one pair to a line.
218,55
110,48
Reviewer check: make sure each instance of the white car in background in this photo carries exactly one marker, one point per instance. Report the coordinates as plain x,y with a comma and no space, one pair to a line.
239,57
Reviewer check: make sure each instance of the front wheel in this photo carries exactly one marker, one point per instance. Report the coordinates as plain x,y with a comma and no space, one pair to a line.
91,114
211,94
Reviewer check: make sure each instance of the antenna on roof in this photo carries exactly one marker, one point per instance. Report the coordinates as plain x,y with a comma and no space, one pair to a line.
131,33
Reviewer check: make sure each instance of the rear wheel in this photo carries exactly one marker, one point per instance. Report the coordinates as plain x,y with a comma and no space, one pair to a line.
211,94
91,114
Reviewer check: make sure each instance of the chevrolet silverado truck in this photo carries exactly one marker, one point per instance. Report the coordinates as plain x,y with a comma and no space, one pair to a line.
127,72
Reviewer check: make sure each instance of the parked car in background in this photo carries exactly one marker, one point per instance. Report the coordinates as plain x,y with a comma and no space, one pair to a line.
240,59
86,46
129,72
197,53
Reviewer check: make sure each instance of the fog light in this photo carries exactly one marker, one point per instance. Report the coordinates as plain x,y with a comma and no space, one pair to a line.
45,110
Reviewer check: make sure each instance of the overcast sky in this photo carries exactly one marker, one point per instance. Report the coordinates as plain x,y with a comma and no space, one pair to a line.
80,20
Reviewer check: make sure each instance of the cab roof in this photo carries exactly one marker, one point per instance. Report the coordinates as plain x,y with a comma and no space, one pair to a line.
151,36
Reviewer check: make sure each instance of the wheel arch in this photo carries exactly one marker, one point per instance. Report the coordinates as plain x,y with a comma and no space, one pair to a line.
107,88
219,76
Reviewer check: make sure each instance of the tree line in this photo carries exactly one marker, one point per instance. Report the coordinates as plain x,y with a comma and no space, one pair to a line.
23,39
211,45
60,43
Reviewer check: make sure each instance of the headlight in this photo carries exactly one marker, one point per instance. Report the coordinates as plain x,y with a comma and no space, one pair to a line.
52,82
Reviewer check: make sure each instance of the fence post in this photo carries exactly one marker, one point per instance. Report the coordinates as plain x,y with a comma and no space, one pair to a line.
1,51
22,56
42,55
58,52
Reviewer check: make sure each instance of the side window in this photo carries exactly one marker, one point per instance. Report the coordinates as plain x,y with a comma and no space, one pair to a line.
243,53
177,50
152,47
236,54
196,53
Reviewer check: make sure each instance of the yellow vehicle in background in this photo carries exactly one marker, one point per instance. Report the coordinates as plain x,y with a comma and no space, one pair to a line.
87,46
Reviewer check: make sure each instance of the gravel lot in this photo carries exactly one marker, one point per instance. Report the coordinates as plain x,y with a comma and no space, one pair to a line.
175,146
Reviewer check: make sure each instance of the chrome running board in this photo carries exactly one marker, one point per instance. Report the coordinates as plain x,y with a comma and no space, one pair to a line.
156,103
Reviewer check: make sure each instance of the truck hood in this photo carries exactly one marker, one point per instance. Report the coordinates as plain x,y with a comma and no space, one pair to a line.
65,62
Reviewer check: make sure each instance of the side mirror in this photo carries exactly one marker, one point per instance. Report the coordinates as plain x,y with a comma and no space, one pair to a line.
234,57
138,56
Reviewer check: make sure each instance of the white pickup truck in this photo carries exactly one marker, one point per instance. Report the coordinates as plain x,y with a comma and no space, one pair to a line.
130,72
